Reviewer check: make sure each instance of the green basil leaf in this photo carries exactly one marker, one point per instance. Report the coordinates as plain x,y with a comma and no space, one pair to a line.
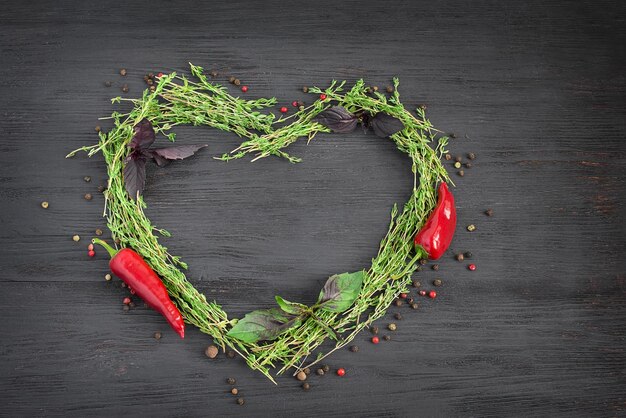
340,291
290,307
263,325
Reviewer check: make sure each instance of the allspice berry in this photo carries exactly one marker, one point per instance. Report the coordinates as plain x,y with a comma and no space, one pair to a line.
448,157
211,351
301,376
392,327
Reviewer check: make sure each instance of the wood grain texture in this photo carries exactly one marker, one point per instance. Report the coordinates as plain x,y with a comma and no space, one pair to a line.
536,90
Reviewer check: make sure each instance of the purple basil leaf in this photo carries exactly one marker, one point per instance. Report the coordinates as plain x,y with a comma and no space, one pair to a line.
135,174
385,125
338,119
144,135
176,153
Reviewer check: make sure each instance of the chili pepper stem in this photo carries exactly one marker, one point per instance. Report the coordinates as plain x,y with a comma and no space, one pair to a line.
112,251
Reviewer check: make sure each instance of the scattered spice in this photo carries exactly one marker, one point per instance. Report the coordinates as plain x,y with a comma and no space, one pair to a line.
234,391
87,179
435,267
307,371
125,88
422,293
108,84
459,257
452,135
98,232
423,261
457,165
305,89
341,372
90,247
458,159
472,267
301,376
468,165
294,103
437,282
326,368
471,228
91,253
398,302
157,335
468,254
125,308
237,82
101,188
415,306
460,173
354,348
284,109
108,277
231,79
387,337
231,381
410,300
403,295
489,212
389,89
306,386
448,157
126,300
123,72
45,205
213,73
375,339
244,88
301,107
88,196
398,316
230,354
392,327
76,238
416,283
374,330
432,294
322,97
211,351
240,401
97,128
320,372
471,155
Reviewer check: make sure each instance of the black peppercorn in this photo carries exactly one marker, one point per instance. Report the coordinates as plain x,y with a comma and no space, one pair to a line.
416,283
386,337
410,301
213,73
489,212
123,72
468,165
231,381
231,79
437,282
108,84
305,89
468,254
459,257
374,330
461,173
240,401
423,261
306,386
471,155
354,348
448,157
389,89
435,267
458,159
326,368
452,135
125,88
320,372
398,316
230,354
101,188
157,335
415,305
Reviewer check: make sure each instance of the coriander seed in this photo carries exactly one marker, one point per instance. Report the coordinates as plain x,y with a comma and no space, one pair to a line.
76,238
305,89
237,82
107,277
415,306
457,165
392,327
448,157
471,228
45,204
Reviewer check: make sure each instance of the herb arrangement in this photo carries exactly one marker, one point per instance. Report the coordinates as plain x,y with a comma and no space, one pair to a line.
286,336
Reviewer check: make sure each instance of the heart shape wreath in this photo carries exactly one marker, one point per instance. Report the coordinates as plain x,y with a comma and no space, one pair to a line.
284,336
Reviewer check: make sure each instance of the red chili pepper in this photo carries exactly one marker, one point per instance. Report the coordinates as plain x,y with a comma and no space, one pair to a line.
435,236
137,274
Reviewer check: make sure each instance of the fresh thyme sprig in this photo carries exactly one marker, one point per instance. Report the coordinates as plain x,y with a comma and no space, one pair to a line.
176,101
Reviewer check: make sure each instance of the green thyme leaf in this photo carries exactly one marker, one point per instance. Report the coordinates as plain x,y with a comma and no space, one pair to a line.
263,325
340,291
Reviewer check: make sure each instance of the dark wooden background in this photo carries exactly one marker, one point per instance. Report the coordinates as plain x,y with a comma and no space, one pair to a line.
535,89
